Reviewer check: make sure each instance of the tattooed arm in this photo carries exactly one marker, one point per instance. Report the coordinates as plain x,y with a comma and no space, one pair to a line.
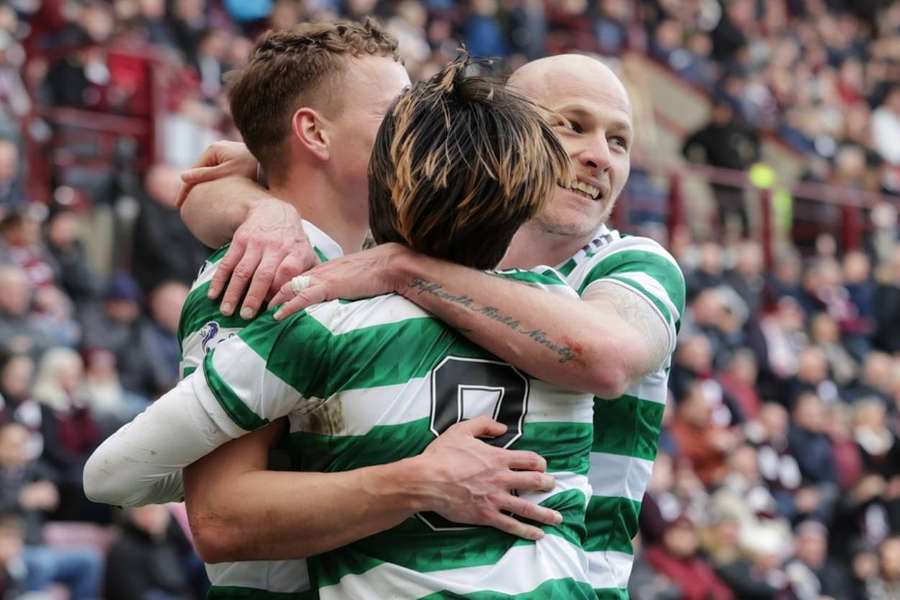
601,344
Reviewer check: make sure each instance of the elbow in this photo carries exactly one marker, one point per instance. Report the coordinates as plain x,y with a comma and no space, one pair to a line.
609,382
101,484
214,541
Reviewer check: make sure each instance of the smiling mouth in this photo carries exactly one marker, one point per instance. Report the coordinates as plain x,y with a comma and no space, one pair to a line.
584,189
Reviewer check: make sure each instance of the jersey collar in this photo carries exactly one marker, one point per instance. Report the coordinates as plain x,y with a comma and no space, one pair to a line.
324,247
602,237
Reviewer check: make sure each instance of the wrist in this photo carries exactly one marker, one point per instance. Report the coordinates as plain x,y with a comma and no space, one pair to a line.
409,485
404,265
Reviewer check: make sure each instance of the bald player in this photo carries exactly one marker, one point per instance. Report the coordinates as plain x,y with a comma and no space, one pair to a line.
615,341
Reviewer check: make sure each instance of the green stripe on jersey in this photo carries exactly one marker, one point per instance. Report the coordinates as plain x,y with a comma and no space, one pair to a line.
236,409
555,589
414,546
612,523
565,446
611,594
627,426
657,266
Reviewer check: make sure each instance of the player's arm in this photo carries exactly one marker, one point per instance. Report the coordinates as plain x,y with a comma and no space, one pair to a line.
239,511
222,202
602,343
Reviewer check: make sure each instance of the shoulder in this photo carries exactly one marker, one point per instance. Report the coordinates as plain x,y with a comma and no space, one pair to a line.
542,277
636,262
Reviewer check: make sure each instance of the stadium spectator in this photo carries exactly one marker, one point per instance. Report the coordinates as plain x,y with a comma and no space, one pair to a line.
11,194
116,325
163,246
64,243
887,585
886,126
147,562
159,336
12,564
808,442
68,429
887,306
28,489
700,440
18,332
811,573
111,405
16,375
21,244
679,560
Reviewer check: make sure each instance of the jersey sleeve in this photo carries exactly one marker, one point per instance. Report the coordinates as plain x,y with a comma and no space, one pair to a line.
267,371
645,268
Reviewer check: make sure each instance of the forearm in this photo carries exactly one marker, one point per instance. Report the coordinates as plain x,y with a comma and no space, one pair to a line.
268,515
558,339
141,463
214,210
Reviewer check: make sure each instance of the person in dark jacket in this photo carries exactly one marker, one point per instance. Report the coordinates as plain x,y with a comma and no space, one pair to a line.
73,273
146,562
163,247
887,307
724,142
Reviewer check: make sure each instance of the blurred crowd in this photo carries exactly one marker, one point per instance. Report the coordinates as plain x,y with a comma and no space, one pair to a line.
778,474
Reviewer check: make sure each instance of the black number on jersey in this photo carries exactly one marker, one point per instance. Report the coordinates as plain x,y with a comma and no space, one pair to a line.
450,381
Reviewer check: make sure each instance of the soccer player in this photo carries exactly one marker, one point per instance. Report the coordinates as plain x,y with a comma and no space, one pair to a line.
459,164
616,342
306,97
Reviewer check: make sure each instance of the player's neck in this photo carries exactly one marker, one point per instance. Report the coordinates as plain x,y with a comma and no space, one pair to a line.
534,246
324,207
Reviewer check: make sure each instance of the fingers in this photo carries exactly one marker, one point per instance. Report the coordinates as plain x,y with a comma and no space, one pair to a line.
240,278
482,426
183,192
203,174
524,460
285,293
223,271
529,510
515,527
262,280
299,261
529,481
314,294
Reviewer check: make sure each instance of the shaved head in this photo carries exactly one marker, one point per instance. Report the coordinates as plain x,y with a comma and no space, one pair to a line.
591,113
540,78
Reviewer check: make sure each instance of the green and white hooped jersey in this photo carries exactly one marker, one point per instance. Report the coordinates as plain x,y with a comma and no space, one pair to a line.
202,327
626,430
375,381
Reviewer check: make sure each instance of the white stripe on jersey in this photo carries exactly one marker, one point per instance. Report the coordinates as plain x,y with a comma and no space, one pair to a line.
279,576
520,570
606,475
565,481
608,569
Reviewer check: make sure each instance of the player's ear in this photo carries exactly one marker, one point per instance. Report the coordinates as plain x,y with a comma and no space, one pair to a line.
309,129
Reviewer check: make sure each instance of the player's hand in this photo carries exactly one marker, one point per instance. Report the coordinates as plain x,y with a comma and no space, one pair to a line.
473,482
360,275
220,159
267,250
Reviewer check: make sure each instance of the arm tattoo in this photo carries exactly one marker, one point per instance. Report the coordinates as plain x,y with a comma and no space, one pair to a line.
640,315
537,336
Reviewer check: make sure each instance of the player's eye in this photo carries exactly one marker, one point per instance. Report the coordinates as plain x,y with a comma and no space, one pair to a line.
575,126
620,141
